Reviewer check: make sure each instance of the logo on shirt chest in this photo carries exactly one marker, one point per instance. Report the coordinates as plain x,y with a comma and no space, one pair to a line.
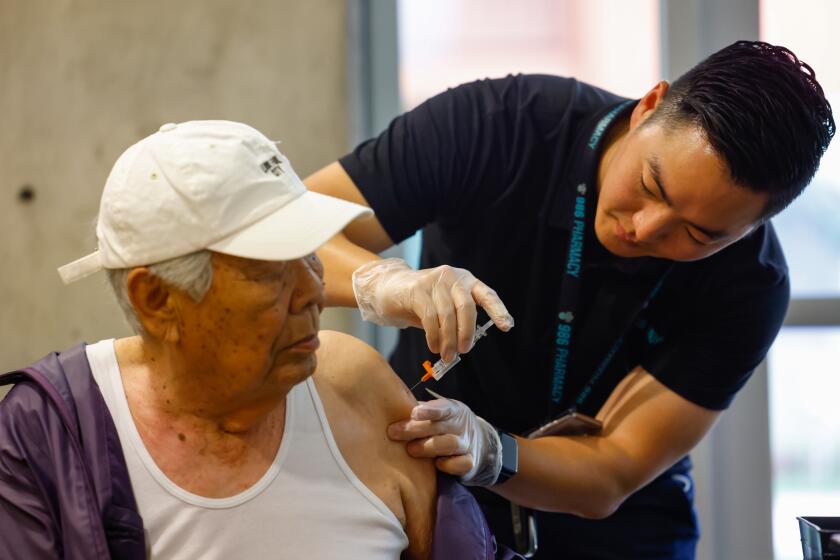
651,335
654,337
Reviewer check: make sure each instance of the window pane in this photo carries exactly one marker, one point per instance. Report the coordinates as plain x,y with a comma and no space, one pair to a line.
804,431
447,42
809,229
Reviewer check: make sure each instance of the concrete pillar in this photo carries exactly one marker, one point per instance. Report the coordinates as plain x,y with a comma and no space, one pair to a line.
84,79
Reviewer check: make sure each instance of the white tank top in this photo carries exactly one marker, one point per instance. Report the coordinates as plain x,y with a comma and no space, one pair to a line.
309,504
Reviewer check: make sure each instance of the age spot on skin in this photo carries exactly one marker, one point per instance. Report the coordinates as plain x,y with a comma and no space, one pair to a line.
182,437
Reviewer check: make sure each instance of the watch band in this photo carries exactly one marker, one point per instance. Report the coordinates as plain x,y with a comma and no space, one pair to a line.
510,456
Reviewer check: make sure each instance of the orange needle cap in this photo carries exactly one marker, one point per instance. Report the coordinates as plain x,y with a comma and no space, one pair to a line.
427,365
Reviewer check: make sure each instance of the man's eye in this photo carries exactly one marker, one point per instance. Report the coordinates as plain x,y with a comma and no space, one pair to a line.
644,187
696,241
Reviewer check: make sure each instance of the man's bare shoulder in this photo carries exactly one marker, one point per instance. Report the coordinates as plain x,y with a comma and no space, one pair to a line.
362,376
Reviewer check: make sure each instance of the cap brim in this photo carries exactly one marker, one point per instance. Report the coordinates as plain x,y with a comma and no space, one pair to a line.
295,230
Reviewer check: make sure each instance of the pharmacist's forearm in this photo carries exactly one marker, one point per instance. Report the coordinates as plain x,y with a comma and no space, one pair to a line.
341,257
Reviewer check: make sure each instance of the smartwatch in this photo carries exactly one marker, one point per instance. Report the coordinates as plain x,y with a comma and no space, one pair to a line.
510,456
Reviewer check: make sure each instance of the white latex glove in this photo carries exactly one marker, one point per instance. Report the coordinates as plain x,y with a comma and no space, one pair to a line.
464,444
441,300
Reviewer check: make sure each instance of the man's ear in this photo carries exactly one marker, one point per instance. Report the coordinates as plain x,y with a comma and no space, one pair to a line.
153,304
644,108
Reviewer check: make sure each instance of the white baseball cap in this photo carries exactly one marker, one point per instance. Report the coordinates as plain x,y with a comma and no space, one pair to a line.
216,185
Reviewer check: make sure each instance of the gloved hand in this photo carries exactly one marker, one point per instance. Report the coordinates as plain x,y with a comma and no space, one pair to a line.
440,300
464,444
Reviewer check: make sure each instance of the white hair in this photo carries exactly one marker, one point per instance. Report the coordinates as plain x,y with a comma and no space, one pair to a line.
192,273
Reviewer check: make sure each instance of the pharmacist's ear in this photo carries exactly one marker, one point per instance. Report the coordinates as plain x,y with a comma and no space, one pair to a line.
647,104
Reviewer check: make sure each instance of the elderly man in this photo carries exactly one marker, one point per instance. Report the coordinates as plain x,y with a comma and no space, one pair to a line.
239,430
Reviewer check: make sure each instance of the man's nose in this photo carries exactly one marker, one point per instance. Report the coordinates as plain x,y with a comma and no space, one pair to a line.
309,287
651,223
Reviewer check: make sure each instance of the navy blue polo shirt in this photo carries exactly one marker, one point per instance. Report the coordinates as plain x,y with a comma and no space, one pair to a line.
482,169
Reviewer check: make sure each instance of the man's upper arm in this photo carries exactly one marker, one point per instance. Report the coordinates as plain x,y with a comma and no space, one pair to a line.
649,428
418,480
721,333
372,389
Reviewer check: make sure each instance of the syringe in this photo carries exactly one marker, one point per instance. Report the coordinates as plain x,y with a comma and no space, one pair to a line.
439,368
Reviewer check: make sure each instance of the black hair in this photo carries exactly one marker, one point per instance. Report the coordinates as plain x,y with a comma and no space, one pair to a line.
762,111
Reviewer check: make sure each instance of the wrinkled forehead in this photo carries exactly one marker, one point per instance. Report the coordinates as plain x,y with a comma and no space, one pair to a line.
246,266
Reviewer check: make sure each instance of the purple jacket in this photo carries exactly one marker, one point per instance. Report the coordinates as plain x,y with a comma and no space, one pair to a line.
64,485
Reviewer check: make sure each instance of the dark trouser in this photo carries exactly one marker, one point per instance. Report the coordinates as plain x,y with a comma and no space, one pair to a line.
656,523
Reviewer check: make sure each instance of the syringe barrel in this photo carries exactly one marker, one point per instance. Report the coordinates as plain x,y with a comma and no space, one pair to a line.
440,368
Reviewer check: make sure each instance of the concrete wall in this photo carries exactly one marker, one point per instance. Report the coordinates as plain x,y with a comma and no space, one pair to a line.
84,79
